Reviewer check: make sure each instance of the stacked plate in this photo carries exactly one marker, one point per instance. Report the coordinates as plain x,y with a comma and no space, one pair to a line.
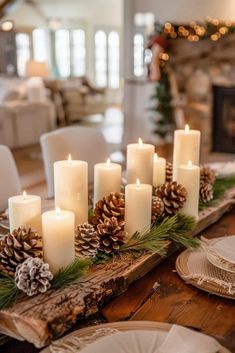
222,254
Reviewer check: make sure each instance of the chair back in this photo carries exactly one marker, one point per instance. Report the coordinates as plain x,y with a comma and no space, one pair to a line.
10,182
83,143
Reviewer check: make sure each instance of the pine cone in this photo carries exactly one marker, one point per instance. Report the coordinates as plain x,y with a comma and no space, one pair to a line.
157,208
206,192
112,235
110,206
86,241
173,196
33,276
17,246
207,175
169,171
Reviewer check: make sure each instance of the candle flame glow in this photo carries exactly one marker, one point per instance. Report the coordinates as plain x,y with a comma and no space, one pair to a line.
69,158
186,129
138,182
155,156
108,162
24,194
140,142
190,163
57,211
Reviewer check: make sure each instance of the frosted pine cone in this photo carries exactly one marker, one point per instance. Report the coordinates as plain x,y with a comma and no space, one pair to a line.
169,171
17,246
207,175
206,192
173,196
110,206
112,235
157,208
87,241
33,276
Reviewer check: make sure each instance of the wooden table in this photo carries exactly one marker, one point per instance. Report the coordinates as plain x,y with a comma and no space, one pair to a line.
162,296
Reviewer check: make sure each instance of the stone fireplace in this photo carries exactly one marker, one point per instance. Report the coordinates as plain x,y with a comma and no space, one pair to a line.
205,75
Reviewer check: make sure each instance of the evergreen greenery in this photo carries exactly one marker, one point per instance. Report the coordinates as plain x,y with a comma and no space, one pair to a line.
8,291
222,184
176,228
163,118
71,273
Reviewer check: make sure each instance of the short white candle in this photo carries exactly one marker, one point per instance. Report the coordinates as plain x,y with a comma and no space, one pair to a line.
138,207
71,187
189,177
25,210
107,179
186,148
140,162
58,238
159,170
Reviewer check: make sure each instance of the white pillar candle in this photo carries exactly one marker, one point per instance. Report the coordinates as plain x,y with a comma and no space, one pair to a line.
25,210
159,170
140,162
138,207
71,188
107,179
58,238
186,148
189,177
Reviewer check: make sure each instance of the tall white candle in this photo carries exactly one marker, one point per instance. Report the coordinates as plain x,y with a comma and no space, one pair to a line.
107,179
58,238
186,148
140,162
138,207
25,210
159,170
71,188
189,177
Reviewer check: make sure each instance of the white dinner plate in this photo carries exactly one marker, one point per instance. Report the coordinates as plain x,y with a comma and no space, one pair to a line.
128,342
225,248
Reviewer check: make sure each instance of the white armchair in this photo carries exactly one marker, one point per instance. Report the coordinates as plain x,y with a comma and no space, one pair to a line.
82,143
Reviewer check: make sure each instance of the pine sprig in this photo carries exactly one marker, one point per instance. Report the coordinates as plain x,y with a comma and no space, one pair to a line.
222,184
71,273
8,291
176,228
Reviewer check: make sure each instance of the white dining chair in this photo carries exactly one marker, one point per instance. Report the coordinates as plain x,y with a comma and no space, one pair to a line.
83,143
10,182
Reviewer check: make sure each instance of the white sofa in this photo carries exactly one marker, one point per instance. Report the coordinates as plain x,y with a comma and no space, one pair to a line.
23,121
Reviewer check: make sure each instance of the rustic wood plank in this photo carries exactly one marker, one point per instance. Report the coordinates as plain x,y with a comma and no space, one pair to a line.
47,316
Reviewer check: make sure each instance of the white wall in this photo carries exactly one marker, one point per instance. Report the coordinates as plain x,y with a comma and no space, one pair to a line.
89,14
186,10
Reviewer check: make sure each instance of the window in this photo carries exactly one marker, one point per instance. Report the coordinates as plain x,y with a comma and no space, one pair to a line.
79,52
138,54
107,59
23,52
62,48
114,59
40,45
101,58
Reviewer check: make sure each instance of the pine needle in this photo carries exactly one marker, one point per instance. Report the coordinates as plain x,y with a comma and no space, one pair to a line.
222,184
176,228
71,273
8,291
